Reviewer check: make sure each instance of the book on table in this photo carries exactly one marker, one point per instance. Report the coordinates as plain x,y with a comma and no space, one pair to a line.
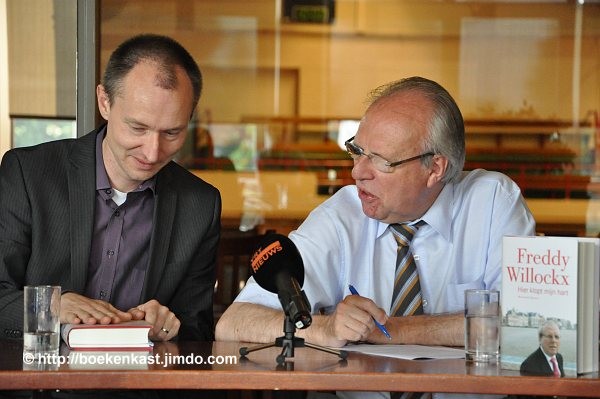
131,335
550,279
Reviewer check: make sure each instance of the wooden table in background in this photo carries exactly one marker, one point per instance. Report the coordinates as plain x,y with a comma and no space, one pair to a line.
281,200
577,217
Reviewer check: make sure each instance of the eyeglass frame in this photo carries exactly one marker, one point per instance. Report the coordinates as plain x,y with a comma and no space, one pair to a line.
355,151
551,336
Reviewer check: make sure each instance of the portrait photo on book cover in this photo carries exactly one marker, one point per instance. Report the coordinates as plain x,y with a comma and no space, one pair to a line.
530,340
549,326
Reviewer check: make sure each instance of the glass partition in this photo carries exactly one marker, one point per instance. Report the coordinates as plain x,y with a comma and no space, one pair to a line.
28,131
42,66
279,83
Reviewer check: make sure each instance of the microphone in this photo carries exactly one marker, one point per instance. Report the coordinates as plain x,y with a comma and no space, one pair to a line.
277,267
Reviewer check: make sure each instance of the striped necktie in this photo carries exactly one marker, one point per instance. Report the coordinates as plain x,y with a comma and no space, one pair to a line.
406,299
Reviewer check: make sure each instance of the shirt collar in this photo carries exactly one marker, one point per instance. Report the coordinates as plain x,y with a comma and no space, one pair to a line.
438,216
548,357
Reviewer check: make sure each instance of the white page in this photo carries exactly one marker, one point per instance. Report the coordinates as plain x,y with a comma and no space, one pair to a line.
410,352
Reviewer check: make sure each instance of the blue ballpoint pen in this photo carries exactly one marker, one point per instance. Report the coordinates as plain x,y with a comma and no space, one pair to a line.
378,324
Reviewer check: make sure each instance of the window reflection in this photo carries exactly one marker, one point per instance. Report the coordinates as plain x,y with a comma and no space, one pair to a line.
31,131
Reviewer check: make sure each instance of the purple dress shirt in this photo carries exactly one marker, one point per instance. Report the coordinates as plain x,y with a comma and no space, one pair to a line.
120,245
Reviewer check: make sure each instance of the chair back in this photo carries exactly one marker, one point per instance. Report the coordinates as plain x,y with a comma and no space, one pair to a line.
233,265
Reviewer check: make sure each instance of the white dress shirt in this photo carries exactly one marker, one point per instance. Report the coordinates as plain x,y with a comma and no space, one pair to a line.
459,248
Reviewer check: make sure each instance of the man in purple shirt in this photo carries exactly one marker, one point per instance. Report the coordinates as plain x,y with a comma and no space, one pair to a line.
126,232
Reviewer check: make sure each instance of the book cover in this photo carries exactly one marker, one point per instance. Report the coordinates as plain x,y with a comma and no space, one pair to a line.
546,294
132,335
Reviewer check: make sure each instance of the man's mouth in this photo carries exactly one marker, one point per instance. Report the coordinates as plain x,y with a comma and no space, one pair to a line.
144,165
365,195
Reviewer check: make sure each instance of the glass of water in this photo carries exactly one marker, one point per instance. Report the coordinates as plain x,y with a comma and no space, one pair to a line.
482,325
41,329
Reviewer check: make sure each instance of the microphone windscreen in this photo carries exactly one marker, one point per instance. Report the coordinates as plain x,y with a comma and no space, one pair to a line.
275,255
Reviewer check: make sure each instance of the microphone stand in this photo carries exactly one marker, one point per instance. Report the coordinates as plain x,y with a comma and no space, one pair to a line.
288,342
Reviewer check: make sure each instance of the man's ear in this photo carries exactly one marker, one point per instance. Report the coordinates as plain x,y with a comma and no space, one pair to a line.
103,101
439,165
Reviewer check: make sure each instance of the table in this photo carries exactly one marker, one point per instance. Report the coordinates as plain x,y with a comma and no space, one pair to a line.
311,369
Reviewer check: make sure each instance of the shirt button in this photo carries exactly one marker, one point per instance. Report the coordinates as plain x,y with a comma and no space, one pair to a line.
108,191
117,213
425,303
110,252
102,294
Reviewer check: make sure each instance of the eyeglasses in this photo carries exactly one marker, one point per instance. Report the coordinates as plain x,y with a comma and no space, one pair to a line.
381,164
550,336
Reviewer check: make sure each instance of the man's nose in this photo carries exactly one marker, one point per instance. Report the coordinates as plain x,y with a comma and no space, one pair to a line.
151,147
362,169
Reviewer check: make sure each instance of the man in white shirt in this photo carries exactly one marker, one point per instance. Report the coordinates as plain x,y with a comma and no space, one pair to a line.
408,154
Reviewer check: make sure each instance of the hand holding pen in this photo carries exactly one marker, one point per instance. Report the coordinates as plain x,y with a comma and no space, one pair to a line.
378,324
